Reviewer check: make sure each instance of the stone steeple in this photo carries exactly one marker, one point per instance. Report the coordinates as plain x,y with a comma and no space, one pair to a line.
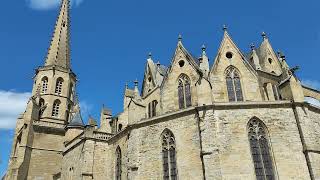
59,50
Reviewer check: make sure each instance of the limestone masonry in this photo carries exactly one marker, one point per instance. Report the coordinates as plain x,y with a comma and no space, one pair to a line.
243,118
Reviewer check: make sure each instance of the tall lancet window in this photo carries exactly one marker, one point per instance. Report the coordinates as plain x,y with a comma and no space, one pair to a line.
233,85
184,91
55,108
169,156
59,86
44,85
260,150
118,163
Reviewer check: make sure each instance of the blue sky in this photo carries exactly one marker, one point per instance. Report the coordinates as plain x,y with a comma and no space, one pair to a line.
111,39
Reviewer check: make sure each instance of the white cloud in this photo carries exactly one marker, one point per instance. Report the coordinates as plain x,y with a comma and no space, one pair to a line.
11,105
49,4
311,83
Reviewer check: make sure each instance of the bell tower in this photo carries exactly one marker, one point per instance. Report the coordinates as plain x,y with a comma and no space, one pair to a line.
40,131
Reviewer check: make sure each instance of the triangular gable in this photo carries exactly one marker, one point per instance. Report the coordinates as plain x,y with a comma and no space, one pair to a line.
266,46
227,38
189,58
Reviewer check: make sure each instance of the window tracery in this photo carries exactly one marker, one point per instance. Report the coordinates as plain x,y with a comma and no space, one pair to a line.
169,156
184,92
233,85
260,150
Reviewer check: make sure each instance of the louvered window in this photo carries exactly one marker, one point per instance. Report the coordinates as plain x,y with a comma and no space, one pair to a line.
118,163
184,92
233,85
169,156
44,87
260,150
55,109
59,86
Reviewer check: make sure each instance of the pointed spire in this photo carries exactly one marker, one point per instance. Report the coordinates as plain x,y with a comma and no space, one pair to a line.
59,50
126,86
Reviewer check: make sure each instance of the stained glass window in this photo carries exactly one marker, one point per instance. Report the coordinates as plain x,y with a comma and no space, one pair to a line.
169,156
184,92
233,85
260,150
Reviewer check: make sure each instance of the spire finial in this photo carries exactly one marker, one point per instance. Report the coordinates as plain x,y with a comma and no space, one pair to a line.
126,86
252,46
264,35
180,38
224,28
136,82
150,55
203,47
158,64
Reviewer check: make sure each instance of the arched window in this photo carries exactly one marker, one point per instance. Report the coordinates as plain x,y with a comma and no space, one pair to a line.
44,85
184,91
260,150
55,109
233,85
59,86
169,156
42,107
118,163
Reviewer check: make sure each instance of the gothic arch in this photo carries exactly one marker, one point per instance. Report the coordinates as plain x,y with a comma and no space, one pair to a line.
260,148
169,159
234,84
184,91
44,84
59,84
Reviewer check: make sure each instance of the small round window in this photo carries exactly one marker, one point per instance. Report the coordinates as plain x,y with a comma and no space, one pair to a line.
270,60
181,63
229,55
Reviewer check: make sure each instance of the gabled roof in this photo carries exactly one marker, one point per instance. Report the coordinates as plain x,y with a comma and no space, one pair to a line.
226,37
189,58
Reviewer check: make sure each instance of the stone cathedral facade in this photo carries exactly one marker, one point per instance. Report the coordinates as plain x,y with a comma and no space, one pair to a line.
244,117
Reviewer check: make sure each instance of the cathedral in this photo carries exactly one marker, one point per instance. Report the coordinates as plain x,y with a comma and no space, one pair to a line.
245,117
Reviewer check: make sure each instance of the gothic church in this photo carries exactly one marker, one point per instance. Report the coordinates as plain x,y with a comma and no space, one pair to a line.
243,118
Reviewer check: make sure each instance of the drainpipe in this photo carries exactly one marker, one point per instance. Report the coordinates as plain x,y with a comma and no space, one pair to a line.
304,146
200,139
